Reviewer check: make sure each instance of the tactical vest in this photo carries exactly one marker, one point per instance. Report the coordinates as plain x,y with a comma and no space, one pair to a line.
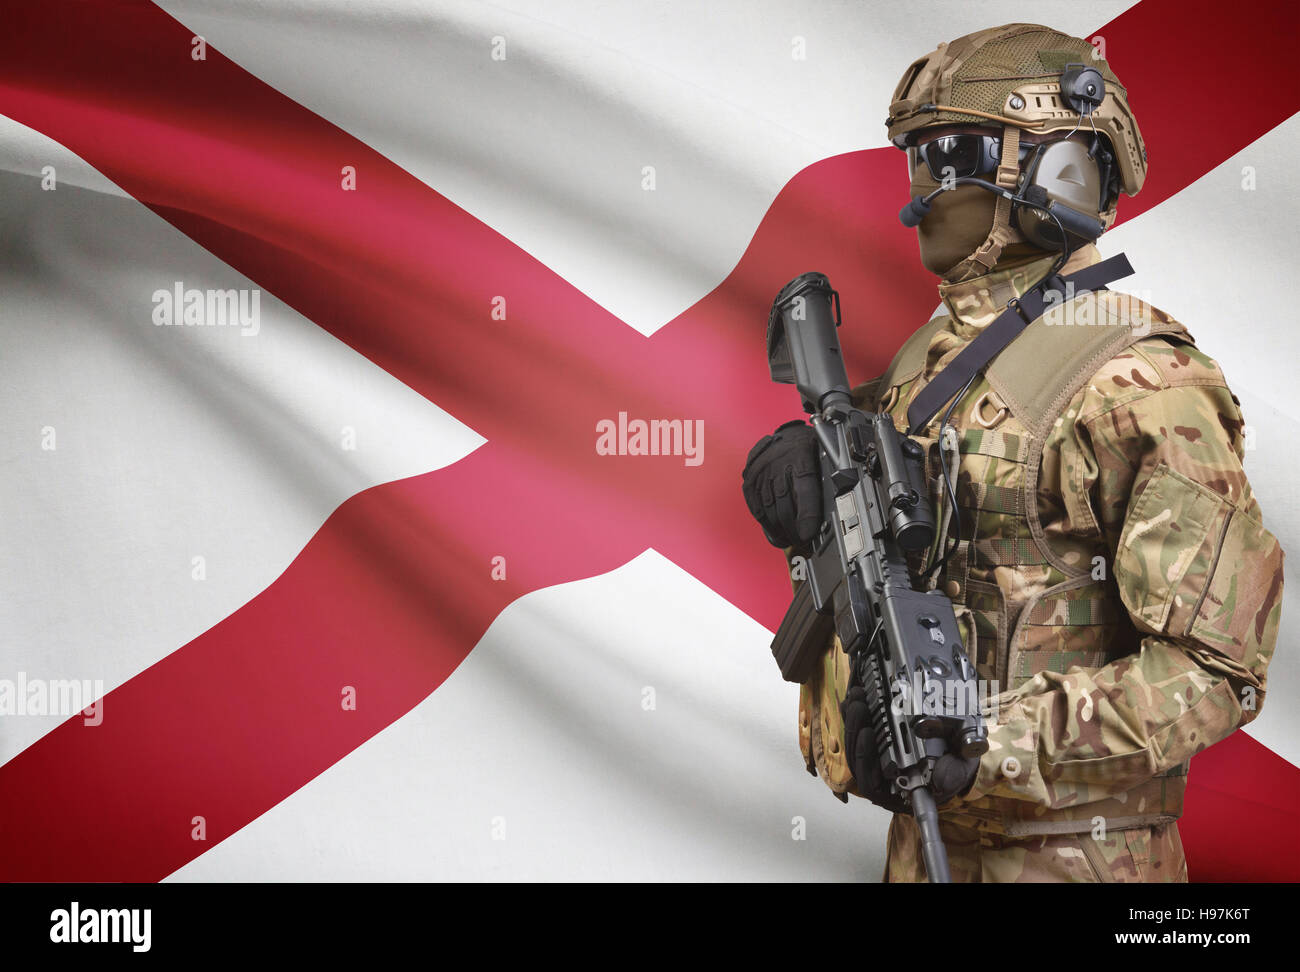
1037,603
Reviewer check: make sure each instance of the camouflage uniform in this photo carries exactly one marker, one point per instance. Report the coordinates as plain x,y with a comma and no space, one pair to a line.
1116,579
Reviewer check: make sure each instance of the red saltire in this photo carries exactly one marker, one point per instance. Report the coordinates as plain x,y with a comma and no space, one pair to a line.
394,589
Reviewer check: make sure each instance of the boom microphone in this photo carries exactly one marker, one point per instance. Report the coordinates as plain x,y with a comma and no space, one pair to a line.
1077,223
912,214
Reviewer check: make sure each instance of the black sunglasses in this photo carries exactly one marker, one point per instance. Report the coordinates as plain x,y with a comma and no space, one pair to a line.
959,156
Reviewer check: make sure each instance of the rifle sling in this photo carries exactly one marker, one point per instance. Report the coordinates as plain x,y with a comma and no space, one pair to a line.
1020,313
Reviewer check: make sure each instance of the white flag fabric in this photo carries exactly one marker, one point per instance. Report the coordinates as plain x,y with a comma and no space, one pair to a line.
308,310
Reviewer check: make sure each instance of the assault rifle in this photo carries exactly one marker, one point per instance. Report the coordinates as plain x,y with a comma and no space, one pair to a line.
904,644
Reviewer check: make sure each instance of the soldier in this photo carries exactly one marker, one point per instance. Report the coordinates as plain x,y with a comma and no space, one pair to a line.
1107,559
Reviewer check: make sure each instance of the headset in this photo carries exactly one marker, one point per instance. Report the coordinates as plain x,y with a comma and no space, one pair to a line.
1063,182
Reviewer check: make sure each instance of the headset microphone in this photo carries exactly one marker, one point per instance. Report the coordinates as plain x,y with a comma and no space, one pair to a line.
1070,220
912,214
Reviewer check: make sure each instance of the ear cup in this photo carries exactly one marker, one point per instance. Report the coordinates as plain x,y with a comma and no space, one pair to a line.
1060,172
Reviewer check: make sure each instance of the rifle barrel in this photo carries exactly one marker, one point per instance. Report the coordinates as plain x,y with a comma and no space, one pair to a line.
927,818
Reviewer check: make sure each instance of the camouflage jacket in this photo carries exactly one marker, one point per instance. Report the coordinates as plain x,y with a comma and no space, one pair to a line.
1119,588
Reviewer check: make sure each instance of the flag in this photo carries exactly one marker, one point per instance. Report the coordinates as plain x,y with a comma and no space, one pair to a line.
313,316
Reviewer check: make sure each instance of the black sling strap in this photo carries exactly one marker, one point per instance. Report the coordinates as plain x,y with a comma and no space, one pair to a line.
1020,313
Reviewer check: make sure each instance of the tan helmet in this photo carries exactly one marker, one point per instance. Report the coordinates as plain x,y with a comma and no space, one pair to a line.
1011,75
1020,78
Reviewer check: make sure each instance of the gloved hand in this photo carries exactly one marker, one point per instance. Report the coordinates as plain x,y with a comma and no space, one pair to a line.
952,776
783,486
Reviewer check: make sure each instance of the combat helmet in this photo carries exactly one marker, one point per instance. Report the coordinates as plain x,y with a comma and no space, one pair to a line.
1024,78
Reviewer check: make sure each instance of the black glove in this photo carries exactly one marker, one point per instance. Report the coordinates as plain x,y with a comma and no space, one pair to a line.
783,485
952,775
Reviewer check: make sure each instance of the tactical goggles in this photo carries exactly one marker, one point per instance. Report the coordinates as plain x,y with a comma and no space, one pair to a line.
959,156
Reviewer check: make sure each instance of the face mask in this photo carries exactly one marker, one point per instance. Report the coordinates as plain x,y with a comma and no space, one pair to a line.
957,224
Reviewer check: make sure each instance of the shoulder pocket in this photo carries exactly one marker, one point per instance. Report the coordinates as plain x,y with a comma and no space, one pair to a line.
1190,564
1166,549
1240,606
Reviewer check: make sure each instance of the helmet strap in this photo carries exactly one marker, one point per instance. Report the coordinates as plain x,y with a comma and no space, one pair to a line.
1002,233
